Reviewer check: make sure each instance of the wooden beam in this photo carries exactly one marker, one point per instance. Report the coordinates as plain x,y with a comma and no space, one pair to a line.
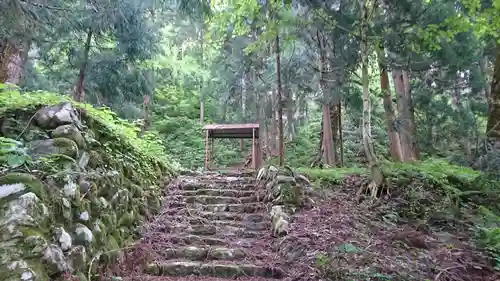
254,151
259,154
206,150
210,150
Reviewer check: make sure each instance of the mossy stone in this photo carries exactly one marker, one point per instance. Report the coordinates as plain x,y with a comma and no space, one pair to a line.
95,159
66,146
32,183
69,131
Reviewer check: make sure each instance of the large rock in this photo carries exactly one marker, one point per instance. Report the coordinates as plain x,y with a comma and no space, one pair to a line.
55,260
21,214
51,117
84,235
64,146
70,131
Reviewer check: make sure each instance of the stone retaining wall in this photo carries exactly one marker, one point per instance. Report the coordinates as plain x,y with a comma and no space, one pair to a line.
78,199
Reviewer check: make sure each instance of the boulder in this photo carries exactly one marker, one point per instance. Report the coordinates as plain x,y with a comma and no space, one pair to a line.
70,131
40,148
84,235
51,117
22,213
279,221
54,260
63,238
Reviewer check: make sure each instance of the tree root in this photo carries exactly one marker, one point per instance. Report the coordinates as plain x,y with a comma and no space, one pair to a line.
378,185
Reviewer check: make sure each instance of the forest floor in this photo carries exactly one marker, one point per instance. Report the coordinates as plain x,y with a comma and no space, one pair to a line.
342,239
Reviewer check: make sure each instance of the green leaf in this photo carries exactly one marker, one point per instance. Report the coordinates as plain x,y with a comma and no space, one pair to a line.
349,248
14,160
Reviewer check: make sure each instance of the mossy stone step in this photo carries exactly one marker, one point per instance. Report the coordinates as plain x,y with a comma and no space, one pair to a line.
248,225
215,185
230,180
198,240
238,208
219,192
220,231
231,216
232,173
185,268
207,240
207,199
204,253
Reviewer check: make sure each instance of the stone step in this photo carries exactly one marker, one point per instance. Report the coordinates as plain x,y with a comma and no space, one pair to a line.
150,277
204,253
223,270
217,185
229,179
249,225
238,208
208,199
218,192
219,231
231,216
233,173
197,240
202,240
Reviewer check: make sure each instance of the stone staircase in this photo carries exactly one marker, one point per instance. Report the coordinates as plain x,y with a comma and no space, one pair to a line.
213,227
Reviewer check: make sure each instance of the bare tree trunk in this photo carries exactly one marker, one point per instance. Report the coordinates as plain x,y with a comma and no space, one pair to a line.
392,133
280,104
366,11
13,57
411,121
290,110
493,125
273,132
341,136
79,94
202,98
327,143
334,121
404,116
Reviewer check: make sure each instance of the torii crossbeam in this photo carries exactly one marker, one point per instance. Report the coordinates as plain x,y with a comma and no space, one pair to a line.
232,131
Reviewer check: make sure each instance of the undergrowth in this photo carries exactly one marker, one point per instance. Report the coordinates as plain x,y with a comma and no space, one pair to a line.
149,145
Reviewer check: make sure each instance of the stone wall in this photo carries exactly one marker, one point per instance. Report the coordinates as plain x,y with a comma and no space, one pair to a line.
79,196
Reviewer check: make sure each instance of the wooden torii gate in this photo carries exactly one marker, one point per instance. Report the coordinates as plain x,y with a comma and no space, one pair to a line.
232,131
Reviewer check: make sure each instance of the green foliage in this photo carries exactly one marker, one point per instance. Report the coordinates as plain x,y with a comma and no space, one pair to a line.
12,153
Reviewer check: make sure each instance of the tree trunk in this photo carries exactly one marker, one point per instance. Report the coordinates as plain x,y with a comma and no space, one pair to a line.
334,121
281,147
13,57
392,133
411,121
493,125
366,11
327,141
273,132
79,94
290,110
341,137
202,98
403,102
